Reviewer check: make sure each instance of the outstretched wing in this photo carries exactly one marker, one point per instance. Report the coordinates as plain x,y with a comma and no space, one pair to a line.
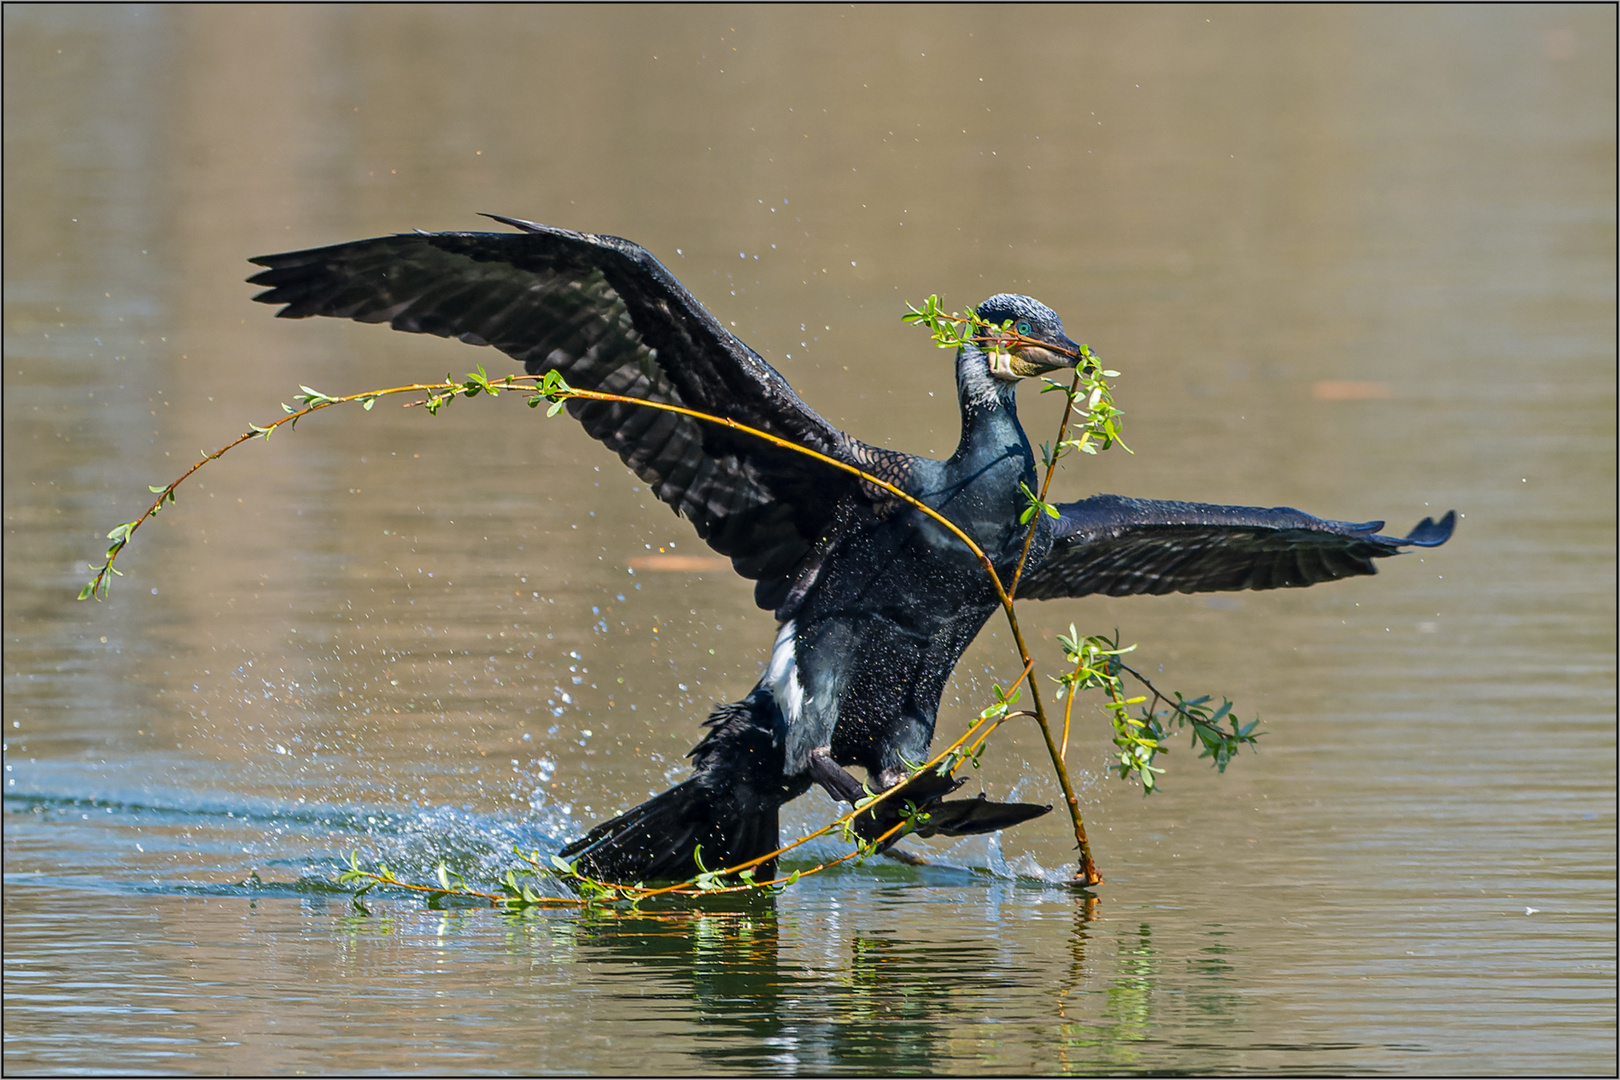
609,317
1117,546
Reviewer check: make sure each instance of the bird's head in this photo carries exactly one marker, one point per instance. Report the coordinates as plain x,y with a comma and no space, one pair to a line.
1023,337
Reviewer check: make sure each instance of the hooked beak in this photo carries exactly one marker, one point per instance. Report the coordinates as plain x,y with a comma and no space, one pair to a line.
1022,359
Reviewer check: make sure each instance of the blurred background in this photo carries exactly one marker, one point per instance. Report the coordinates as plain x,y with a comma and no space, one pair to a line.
1358,260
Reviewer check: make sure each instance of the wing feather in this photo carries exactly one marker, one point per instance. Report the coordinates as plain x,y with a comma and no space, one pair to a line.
1119,546
609,317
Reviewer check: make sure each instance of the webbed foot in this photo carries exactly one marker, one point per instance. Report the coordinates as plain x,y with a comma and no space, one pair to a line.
925,791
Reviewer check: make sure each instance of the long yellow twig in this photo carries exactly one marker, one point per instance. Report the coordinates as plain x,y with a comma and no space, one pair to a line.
444,391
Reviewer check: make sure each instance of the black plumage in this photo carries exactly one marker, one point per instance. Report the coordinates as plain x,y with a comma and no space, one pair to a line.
876,602
610,317
1118,546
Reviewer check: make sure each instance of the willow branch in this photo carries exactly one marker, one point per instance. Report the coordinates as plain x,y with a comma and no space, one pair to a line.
551,387
1046,481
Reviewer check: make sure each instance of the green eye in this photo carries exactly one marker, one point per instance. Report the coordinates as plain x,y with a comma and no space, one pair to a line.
1023,329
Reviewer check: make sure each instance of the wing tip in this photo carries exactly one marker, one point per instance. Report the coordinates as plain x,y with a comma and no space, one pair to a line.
1431,533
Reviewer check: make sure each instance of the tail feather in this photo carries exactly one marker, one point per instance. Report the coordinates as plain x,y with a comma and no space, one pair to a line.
728,808
660,839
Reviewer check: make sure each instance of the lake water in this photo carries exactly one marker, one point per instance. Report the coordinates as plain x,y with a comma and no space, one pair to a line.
419,638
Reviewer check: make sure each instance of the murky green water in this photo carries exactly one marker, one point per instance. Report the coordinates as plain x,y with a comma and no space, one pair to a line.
419,637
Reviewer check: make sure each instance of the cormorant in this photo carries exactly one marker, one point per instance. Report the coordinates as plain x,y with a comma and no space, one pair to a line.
875,601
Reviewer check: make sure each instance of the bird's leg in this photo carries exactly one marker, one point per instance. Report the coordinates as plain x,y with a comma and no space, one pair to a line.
845,788
833,779
926,791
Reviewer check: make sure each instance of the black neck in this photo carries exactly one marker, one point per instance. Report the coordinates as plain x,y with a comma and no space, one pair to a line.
989,409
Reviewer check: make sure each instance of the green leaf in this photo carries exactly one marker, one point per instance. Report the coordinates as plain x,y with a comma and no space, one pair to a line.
1035,504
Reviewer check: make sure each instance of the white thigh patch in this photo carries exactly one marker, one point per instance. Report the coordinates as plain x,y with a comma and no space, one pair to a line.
782,676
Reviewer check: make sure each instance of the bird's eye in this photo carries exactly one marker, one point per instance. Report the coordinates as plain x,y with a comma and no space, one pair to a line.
1023,329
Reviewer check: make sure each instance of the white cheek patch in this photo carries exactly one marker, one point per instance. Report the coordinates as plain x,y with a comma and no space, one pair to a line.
782,675
1001,365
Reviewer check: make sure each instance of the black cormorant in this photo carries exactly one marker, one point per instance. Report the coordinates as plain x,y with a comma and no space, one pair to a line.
875,601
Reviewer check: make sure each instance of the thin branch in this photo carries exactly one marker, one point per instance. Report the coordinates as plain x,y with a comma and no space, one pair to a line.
552,387
1159,695
1046,481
